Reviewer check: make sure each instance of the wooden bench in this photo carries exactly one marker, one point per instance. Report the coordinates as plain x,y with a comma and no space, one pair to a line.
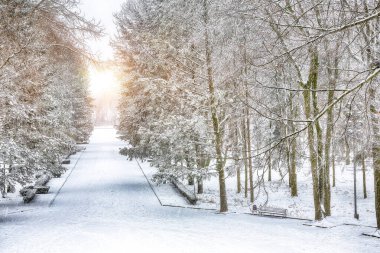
83,142
66,161
57,172
42,180
270,211
40,184
28,194
41,189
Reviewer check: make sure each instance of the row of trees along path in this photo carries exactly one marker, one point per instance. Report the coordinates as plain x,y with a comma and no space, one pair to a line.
237,86
45,108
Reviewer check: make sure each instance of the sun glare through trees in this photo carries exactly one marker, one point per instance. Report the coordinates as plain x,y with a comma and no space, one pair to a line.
104,85
103,81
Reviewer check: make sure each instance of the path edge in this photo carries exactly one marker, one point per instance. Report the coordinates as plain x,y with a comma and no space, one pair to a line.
64,182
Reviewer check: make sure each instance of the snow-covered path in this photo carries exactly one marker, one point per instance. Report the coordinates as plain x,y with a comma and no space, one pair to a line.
107,206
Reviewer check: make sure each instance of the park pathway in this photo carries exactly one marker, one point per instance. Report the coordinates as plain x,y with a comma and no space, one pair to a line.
107,206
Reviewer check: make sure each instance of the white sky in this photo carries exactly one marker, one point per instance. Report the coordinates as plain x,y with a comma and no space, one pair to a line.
104,86
102,10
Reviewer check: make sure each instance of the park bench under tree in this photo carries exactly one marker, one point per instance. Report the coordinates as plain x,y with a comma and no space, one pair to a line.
269,211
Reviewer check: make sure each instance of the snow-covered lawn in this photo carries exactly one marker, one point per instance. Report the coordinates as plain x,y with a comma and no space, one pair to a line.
277,193
14,202
107,206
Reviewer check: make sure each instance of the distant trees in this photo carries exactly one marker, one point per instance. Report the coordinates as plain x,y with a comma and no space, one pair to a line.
44,103
265,78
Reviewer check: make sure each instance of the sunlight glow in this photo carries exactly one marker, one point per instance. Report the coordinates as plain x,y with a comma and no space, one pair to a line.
105,90
103,82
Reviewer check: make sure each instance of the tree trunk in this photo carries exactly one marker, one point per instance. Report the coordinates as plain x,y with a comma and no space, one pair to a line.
364,177
293,169
375,123
328,140
248,176
292,154
200,185
238,183
347,150
4,190
287,153
270,167
190,180
250,167
313,75
320,167
236,158
245,158
333,165
313,161
374,107
214,116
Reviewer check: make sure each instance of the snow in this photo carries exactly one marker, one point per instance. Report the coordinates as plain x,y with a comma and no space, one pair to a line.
302,207
15,204
371,233
166,193
106,205
325,223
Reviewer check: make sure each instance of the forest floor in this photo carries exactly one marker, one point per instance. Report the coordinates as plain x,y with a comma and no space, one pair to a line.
106,205
277,194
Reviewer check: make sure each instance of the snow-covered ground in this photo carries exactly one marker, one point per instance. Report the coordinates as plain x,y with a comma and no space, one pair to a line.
107,205
277,194
15,204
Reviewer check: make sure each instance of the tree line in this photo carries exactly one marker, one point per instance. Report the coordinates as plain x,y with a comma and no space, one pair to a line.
230,87
45,108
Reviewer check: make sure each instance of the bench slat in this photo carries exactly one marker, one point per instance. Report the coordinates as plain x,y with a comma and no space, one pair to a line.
274,211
